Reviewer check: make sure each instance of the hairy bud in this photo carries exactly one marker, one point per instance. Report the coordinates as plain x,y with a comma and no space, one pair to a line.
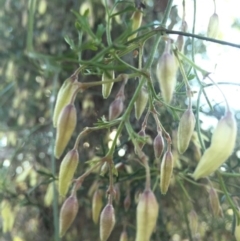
64,97
147,213
68,213
116,108
222,145
97,205
166,73
67,169
136,23
140,103
166,171
185,130
65,126
158,145
107,222
107,87
213,26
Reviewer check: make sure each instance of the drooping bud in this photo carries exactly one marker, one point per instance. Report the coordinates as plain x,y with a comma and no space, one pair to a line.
140,103
193,222
158,145
67,169
222,145
107,87
64,97
141,144
104,169
147,213
185,130
107,222
7,215
124,236
136,23
116,108
48,197
166,73
65,126
97,204
117,193
166,171
214,203
237,229
180,39
213,26
68,213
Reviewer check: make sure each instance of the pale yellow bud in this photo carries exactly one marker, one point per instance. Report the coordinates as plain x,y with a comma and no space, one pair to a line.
147,213
67,169
140,103
185,130
65,126
166,171
193,222
214,203
237,230
136,23
222,146
124,236
213,26
107,87
107,222
97,204
166,73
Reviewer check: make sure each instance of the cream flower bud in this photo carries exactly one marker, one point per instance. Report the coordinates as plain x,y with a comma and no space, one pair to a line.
136,23
222,145
97,204
213,26
158,145
147,213
140,103
107,87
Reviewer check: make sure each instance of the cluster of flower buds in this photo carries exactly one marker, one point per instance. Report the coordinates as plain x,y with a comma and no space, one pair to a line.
167,72
185,130
222,145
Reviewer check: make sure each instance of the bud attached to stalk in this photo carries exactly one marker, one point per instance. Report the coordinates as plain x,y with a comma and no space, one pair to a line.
193,222
65,126
222,146
140,103
147,213
107,87
214,203
68,213
213,26
158,145
185,130
140,143
124,236
237,229
97,204
67,169
180,39
127,202
116,108
166,171
107,222
7,216
166,73
65,94
136,23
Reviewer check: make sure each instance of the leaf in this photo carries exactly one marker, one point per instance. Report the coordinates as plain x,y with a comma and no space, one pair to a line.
127,9
100,31
70,42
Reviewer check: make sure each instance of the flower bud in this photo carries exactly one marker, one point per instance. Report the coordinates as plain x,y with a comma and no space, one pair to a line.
237,230
97,204
193,222
180,39
68,213
107,222
213,26
116,108
185,130
166,171
107,88
141,144
64,97
222,145
127,202
166,73
140,103
7,215
158,145
124,236
136,23
104,169
147,213
65,126
67,169
214,203
48,197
